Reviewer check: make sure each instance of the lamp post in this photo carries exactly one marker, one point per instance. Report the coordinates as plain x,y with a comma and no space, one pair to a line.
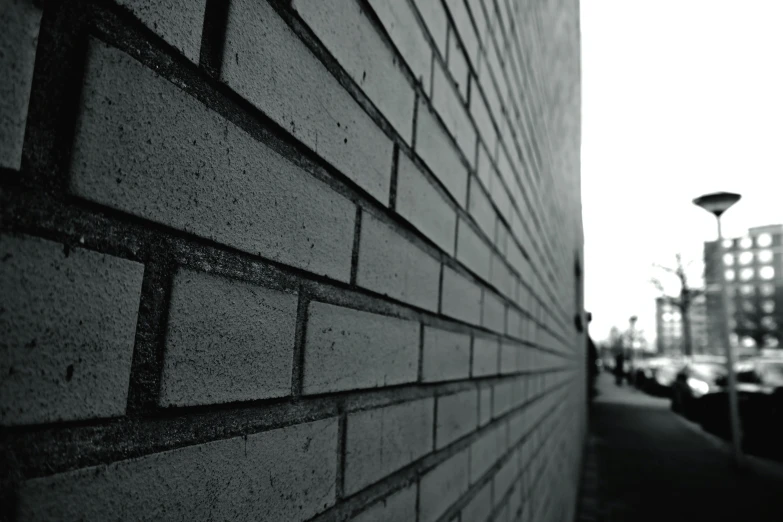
718,203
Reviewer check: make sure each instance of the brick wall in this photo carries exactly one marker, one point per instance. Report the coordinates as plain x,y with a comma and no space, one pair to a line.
295,260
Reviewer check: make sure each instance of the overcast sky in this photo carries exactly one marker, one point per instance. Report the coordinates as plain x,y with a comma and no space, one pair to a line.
680,98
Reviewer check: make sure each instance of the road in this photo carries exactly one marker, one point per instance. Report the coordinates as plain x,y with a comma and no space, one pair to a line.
644,463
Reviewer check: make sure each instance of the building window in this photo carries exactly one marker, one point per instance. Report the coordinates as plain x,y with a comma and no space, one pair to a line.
728,259
748,306
746,242
767,272
764,240
747,289
667,317
768,306
728,243
729,275
765,256
767,289
768,322
746,258
746,274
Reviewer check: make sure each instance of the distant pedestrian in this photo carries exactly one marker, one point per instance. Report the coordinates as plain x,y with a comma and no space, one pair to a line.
592,361
619,366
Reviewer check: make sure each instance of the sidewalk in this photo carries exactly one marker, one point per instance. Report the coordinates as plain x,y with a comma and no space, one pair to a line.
644,464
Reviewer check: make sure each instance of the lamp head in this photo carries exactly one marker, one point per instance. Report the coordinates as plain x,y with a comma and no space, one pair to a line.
718,202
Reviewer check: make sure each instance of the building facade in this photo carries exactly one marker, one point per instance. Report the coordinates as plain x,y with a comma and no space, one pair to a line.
669,327
752,266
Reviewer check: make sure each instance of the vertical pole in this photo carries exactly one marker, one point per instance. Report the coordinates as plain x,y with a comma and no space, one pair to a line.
736,432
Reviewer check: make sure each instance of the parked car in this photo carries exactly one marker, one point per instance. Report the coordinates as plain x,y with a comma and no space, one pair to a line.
657,374
699,376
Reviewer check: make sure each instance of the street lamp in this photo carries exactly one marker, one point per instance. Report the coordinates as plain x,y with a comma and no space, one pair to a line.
718,203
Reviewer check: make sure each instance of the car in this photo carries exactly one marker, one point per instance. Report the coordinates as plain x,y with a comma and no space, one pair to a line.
698,376
657,376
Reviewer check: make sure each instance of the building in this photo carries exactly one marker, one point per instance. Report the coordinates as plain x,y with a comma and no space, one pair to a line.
752,266
669,327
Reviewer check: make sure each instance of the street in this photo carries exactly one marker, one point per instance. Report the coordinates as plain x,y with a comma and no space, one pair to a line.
643,462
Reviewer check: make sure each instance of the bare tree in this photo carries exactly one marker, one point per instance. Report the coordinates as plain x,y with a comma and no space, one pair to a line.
682,300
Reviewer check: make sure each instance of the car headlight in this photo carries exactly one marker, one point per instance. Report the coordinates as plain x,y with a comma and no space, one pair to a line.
698,387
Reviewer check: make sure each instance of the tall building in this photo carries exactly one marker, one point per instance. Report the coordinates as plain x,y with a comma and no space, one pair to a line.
669,327
753,270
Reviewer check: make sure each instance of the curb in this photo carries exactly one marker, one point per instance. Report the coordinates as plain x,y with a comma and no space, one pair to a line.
761,467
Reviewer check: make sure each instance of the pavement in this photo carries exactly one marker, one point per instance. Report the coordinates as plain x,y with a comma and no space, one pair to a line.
645,463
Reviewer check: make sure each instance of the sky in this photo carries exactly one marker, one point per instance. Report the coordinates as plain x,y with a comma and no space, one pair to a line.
679,98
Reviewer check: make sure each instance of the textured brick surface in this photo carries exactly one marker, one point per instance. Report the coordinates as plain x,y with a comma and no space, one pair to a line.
435,21
179,22
305,98
502,398
400,505
285,474
484,453
226,341
379,442
473,251
393,266
485,405
348,34
457,415
480,506
445,355
485,357
446,99
461,298
348,349
424,206
19,24
493,312
68,324
167,162
442,486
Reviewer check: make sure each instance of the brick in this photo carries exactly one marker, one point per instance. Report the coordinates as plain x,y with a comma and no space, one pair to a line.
508,357
178,22
348,349
484,125
484,452
438,152
485,405
446,355
493,313
484,165
500,276
485,357
68,329
472,250
457,415
479,507
20,21
381,441
391,265
502,398
283,474
517,426
504,478
499,195
458,66
446,100
435,21
514,323
177,163
502,515
226,341
351,38
480,19
305,99
461,297
403,28
501,238
400,505
464,27
480,208
515,501
442,486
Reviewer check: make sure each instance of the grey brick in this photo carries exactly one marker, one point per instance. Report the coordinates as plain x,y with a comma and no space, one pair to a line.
500,196
480,208
403,28
485,405
500,276
479,507
178,22
226,341
422,204
493,313
68,328
436,149
484,125
20,21
381,441
502,398
485,357
504,478
484,165
458,66
484,452
477,10
400,505
446,100
434,17
446,355
286,474
391,265
177,163
305,98
514,322
351,38
442,486
472,250
457,415
348,349
509,353
461,297
459,13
